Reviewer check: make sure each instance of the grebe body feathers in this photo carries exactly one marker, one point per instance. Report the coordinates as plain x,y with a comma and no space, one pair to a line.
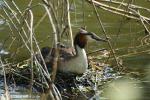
72,60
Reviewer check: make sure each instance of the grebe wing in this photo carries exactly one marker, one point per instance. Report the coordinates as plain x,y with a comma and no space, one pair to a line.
64,53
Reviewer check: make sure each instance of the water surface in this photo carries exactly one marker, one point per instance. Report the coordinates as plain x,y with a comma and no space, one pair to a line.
125,37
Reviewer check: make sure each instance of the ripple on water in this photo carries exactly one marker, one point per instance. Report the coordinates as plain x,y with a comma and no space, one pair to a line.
2,4
17,93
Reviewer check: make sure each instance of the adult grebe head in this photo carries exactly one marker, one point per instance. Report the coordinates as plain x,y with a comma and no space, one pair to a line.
83,36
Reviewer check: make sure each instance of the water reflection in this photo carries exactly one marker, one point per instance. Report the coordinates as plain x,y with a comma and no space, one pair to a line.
123,89
2,50
1,4
17,92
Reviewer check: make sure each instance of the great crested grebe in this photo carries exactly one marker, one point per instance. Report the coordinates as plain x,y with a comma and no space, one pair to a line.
72,60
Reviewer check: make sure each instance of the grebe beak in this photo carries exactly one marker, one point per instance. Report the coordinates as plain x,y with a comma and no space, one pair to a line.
93,36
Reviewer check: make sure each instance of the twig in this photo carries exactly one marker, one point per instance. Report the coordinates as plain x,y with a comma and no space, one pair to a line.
7,94
55,43
40,20
55,59
121,12
46,73
95,51
53,15
104,32
31,44
69,23
15,26
125,4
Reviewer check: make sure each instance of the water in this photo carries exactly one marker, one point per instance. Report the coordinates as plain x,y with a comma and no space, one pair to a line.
125,36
